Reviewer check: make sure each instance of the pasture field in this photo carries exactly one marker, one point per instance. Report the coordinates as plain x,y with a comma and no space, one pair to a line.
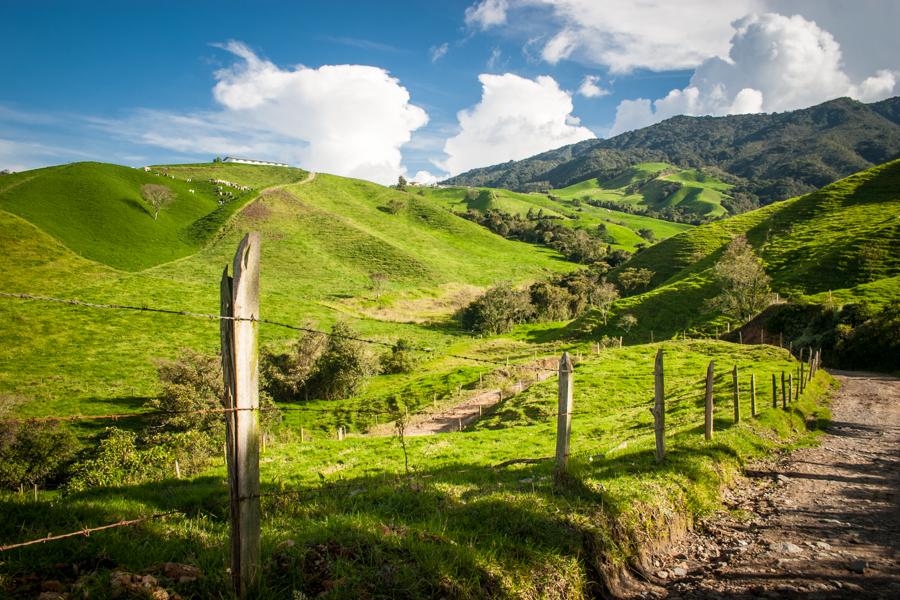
345,520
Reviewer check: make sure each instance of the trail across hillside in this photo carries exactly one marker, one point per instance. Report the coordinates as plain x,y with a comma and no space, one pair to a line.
822,522
450,419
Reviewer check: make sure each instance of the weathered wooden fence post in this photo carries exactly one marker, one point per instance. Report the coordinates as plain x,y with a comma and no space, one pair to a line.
708,415
774,392
783,393
740,337
659,407
737,395
564,412
753,394
240,344
790,387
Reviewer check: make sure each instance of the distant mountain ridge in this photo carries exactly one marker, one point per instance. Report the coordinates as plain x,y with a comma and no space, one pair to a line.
771,156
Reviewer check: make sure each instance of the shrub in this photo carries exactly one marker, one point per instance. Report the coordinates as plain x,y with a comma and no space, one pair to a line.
400,359
34,453
498,310
286,375
343,366
192,382
118,461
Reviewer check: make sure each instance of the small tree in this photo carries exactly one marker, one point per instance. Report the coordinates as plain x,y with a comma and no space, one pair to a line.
627,322
401,183
603,297
633,280
377,282
743,282
157,196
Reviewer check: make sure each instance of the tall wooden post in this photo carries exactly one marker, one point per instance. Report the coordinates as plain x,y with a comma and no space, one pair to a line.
736,395
753,394
659,407
240,340
781,339
708,415
783,393
740,337
564,412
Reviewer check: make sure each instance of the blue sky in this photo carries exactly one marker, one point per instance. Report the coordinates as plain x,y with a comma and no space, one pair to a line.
374,89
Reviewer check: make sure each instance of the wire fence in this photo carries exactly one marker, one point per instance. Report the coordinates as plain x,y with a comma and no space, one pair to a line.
679,393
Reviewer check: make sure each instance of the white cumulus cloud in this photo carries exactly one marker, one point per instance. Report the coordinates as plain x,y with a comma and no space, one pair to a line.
487,13
590,89
516,118
425,178
350,120
776,63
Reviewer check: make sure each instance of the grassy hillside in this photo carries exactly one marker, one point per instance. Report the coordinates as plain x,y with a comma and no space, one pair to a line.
97,211
457,527
621,227
656,186
321,242
771,156
845,238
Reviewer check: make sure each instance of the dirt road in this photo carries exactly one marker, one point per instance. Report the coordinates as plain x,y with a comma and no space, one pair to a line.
822,522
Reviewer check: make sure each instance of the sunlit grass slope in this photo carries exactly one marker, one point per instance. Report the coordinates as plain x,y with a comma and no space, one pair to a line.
657,186
97,211
621,227
320,243
844,238
457,527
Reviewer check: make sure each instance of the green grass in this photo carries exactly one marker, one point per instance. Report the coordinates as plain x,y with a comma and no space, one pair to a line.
843,239
96,210
456,527
645,184
321,241
622,227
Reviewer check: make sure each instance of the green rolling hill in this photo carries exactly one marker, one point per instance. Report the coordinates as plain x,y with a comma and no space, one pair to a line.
843,240
96,209
770,156
622,227
655,186
322,240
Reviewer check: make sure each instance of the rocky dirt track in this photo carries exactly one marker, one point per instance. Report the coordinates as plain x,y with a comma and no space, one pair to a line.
822,522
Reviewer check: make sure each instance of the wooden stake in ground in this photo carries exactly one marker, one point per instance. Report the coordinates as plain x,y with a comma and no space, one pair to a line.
753,394
783,393
736,395
740,337
774,392
790,387
240,361
564,412
659,407
708,416
802,378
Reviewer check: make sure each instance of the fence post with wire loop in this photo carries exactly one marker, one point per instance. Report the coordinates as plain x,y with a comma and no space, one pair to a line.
736,395
240,344
564,413
659,407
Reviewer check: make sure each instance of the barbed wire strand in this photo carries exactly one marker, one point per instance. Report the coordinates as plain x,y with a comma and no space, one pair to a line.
88,530
210,316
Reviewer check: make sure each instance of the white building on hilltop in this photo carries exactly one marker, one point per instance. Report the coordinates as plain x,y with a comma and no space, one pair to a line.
250,161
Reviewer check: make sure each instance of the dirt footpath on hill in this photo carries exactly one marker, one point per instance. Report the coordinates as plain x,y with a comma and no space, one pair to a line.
821,522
